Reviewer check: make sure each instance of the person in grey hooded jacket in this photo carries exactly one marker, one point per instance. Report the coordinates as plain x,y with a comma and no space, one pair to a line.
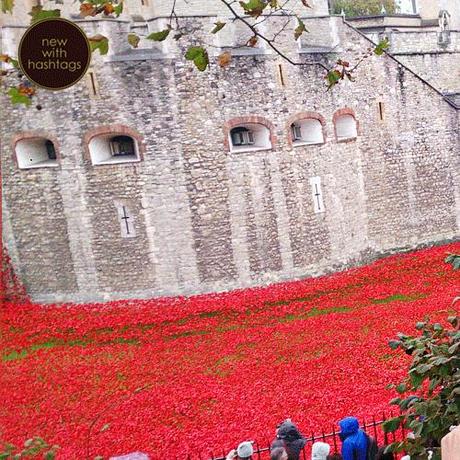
289,437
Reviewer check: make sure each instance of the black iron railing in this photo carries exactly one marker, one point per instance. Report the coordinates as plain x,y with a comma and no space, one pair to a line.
262,450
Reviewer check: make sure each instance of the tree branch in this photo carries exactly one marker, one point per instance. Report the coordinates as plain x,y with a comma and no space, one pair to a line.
269,42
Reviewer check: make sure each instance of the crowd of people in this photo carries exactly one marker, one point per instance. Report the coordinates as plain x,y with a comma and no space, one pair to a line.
289,443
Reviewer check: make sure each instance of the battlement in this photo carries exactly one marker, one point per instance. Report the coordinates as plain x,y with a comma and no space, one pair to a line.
322,37
135,10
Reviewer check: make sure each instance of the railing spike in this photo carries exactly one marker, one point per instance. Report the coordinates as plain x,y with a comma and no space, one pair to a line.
257,450
334,434
374,424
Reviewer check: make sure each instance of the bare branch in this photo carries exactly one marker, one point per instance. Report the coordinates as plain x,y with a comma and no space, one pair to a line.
281,30
269,42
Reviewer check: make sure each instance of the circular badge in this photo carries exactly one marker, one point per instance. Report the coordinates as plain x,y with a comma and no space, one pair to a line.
54,53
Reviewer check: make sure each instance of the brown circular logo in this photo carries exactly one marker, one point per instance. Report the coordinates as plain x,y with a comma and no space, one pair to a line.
54,53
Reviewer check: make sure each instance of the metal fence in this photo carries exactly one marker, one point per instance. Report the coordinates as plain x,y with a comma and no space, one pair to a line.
262,450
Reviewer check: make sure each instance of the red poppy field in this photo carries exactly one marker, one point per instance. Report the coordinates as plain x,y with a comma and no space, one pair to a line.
189,375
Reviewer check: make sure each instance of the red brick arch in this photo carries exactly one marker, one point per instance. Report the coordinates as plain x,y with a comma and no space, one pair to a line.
305,116
345,111
35,134
115,129
256,119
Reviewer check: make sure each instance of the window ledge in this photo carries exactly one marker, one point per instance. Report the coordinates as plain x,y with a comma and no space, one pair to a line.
302,143
42,164
248,149
115,161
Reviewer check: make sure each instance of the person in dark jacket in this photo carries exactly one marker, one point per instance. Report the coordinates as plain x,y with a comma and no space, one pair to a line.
278,453
334,456
354,440
289,437
381,455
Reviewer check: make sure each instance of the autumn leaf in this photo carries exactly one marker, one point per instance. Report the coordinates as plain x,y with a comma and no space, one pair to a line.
108,9
305,3
333,77
218,26
252,41
254,8
133,40
199,56
18,98
38,13
7,6
300,29
224,59
159,36
381,47
26,89
86,9
99,42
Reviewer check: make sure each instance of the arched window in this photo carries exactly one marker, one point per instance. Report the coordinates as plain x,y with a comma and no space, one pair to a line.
345,127
36,152
249,137
112,149
307,131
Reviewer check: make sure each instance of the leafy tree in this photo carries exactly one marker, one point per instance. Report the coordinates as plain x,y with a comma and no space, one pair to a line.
430,397
353,8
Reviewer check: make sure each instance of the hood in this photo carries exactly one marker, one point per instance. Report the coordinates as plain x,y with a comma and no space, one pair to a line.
320,450
348,426
288,431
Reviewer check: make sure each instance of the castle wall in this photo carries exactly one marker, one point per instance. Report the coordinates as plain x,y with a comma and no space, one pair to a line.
207,219
429,9
434,68
422,52
147,9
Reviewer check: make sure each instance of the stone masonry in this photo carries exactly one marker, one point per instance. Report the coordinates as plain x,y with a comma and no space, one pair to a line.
207,219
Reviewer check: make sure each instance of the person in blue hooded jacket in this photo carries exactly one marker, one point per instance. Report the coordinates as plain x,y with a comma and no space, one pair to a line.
354,440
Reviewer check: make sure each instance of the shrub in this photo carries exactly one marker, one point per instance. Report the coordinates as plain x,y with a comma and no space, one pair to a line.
430,396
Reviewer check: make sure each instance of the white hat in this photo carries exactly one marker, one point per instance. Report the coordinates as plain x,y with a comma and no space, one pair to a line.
320,450
245,449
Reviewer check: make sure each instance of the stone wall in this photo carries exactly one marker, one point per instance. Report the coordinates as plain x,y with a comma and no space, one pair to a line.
207,219
147,9
424,54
